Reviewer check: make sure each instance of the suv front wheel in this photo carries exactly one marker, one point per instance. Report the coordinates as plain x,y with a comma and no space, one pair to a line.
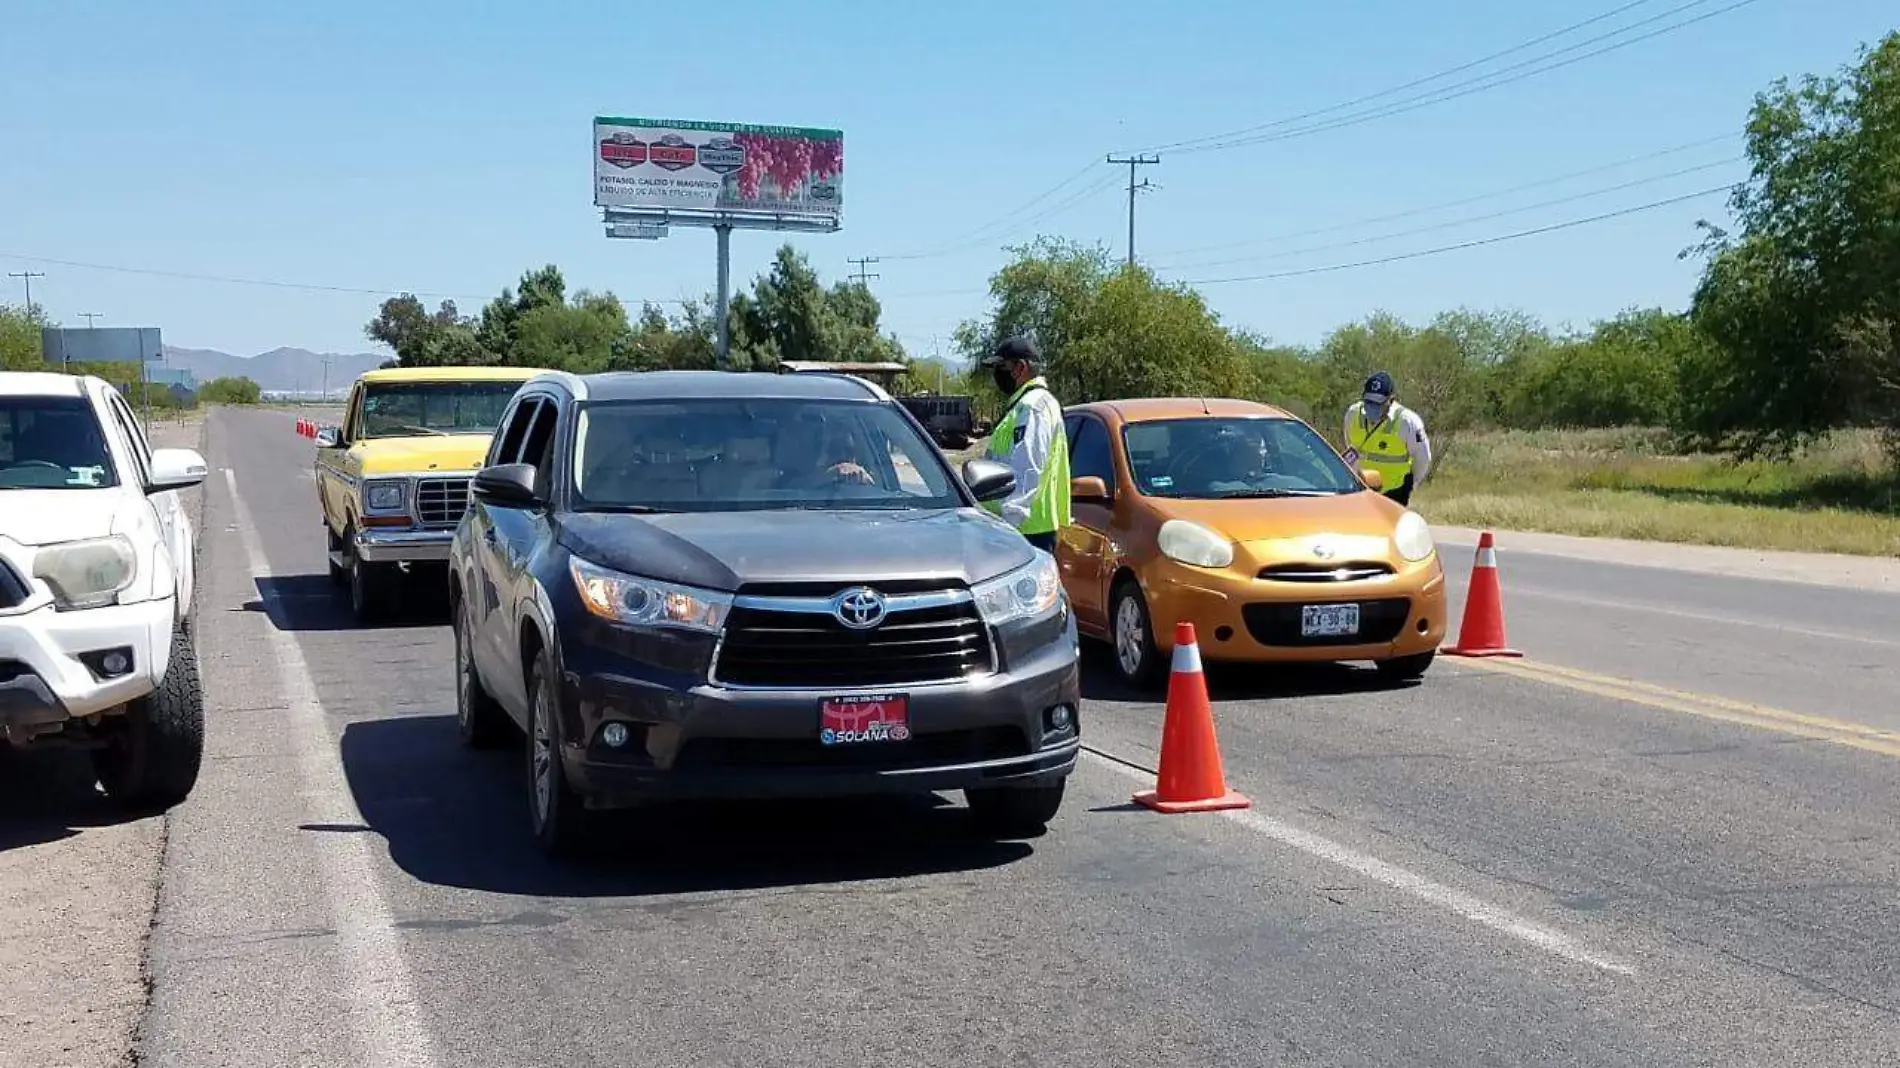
1015,811
150,760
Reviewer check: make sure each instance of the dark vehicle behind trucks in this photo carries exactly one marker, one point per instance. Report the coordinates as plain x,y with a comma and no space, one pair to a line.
950,421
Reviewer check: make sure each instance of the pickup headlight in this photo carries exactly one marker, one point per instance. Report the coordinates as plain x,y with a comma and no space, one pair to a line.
1025,593
1413,537
1194,544
383,496
641,602
87,574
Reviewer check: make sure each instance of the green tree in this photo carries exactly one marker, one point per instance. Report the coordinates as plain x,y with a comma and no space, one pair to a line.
790,315
20,338
230,391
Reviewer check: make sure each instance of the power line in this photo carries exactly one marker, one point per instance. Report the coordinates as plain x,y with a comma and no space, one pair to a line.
971,237
1465,221
1132,162
1475,243
1008,224
1416,82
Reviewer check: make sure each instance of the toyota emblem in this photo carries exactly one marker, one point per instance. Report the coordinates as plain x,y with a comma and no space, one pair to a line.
860,609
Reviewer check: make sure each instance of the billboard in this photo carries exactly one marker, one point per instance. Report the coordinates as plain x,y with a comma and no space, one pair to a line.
103,344
683,166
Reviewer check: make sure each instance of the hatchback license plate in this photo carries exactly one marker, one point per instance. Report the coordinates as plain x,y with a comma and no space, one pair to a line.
864,718
1328,620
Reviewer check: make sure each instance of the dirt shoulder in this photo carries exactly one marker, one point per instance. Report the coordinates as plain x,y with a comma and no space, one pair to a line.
1820,569
78,885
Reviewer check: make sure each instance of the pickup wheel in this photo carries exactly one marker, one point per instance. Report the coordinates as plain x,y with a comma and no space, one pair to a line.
368,583
151,758
479,717
1015,811
556,813
339,574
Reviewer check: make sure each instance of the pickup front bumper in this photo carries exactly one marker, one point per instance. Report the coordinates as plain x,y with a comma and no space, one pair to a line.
403,546
56,666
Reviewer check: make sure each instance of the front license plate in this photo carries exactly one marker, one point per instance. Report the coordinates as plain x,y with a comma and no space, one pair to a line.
865,718
1328,620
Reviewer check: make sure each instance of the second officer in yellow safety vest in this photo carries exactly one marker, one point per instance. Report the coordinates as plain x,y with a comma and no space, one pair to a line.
1384,436
1030,440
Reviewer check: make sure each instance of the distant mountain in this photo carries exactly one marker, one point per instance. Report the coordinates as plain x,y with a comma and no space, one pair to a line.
278,369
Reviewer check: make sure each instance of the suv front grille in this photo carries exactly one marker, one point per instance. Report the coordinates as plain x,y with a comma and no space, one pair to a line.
780,647
14,590
440,502
1354,571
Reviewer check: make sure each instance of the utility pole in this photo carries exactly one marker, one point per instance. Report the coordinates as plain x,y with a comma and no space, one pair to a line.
89,317
323,395
1132,162
27,277
862,278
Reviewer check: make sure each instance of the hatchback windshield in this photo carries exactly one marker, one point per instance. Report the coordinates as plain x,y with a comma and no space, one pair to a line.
1204,458
52,443
728,455
400,410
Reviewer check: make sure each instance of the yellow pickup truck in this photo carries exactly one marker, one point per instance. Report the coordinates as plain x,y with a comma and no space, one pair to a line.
393,479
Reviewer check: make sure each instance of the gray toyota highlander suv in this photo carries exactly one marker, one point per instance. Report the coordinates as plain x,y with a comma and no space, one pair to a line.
684,584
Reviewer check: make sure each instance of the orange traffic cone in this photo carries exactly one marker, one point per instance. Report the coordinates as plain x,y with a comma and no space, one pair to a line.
303,428
1482,632
1190,779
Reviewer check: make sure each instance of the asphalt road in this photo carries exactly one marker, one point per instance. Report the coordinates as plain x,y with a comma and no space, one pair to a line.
1669,837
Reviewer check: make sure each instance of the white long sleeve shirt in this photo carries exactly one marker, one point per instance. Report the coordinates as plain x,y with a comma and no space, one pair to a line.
1038,421
1411,427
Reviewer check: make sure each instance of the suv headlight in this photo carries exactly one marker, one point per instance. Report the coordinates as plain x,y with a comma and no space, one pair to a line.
1025,593
641,602
1413,537
384,495
1194,544
87,574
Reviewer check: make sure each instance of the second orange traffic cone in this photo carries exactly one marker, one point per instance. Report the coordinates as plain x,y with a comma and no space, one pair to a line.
1482,632
1190,778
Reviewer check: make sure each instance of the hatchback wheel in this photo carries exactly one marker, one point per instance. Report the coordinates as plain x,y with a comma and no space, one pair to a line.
1405,668
1132,635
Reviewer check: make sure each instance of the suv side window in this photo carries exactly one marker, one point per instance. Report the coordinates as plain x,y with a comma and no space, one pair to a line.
537,447
1089,451
514,426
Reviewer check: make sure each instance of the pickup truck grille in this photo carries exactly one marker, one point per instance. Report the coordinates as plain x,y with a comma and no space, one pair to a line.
14,590
440,502
770,647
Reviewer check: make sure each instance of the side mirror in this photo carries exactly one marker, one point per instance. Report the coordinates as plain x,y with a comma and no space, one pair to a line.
1089,490
1374,480
509,485
329,437
175,469
988,480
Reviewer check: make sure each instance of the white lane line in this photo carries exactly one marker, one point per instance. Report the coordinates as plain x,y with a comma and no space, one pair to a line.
1458,901
383,1009
1700,617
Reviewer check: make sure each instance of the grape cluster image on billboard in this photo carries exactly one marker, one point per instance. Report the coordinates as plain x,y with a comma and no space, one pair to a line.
682,166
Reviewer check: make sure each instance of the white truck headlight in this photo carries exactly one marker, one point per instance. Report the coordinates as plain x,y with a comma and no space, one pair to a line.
383,496
1413,537
1194,544
87,574
1024,593
642,602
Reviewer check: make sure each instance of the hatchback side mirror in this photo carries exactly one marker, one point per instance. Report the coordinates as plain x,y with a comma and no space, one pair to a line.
509,485
988,480
1374,480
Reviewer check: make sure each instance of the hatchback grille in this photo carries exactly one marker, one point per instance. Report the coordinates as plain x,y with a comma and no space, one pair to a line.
806,650
1353,571
14,590
440,502
1279,624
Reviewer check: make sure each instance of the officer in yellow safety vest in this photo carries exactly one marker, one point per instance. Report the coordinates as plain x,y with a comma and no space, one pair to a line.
1030,440
1384,436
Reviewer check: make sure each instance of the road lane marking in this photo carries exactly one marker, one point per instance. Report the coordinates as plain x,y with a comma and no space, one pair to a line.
383,1011
1700,617
1394,877
1706,706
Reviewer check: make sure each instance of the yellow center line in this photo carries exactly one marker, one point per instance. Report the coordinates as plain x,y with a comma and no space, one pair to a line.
1706,706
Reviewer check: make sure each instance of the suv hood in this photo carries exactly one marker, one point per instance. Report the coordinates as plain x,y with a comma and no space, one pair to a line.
727,550
47,517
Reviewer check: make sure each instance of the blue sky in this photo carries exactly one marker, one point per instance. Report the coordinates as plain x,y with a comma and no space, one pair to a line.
444,148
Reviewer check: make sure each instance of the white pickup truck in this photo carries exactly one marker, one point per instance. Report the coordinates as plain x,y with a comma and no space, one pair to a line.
96,578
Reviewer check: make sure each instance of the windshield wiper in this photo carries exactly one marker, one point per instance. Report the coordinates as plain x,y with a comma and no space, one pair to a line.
627,509
1252,494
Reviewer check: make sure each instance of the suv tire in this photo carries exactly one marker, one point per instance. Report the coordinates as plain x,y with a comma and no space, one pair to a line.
1015,811
151,759
478,716
556,813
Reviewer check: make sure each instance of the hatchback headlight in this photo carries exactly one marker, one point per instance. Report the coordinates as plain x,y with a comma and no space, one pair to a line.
642,602
383,496
1413,537
87,574
1025,593
1194,544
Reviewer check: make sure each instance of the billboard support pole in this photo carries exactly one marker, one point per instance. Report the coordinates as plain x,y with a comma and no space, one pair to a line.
722,352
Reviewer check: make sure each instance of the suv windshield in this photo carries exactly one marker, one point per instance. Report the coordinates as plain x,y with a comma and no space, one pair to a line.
53,443
1208,457
730,455
401,410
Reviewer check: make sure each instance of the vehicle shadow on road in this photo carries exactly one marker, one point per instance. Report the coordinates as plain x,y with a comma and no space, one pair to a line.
456,818
306,603
1241,682
50,795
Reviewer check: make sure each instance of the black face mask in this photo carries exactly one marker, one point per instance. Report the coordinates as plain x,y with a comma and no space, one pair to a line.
1005,382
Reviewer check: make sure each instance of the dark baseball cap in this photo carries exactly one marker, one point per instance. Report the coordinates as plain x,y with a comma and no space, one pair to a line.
1015,348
